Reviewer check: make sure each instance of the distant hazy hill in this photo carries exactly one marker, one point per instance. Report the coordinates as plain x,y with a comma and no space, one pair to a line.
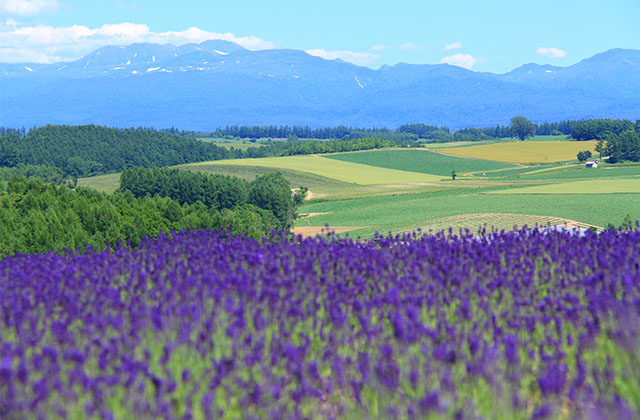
218,83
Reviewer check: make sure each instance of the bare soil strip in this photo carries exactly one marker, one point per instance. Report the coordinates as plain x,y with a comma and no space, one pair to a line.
307,215
307,231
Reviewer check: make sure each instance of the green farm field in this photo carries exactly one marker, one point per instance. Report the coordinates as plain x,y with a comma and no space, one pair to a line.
419,161
390,214
401,190
580,172
593,186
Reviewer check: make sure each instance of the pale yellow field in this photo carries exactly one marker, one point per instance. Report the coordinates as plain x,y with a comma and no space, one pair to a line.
595,186
524,152
506,221
331,168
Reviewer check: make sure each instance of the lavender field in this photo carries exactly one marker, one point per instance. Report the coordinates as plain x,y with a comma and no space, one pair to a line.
517,325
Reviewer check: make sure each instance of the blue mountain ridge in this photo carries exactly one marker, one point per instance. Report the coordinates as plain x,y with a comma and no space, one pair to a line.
218,83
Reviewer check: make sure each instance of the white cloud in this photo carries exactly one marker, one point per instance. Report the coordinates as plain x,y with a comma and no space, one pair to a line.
463,60
409,46
551,52
452,46
380,47
359,58
47,44
28,7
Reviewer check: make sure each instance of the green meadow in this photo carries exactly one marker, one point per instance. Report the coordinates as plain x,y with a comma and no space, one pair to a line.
391,214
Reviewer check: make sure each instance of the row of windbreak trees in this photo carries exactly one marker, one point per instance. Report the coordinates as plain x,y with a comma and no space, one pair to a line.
37,217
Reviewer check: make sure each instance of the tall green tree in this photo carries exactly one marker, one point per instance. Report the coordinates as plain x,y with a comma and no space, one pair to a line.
600,146
272,191
522,128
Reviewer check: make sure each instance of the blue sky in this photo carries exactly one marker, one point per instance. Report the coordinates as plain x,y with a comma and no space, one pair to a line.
489,35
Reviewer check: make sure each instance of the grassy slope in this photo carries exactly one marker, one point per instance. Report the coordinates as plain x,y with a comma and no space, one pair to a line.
331,168
593,186
391,214
419,161
524,152
580,172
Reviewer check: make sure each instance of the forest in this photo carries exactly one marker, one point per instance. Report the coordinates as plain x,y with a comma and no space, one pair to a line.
89,150
270,192
36,216
619,140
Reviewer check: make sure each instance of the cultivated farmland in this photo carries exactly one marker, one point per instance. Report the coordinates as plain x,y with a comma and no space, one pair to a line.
599,186
524,152
331,168
403,189
406,212
421,161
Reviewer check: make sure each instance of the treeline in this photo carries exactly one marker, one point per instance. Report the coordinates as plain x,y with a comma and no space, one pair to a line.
44,172
270,192
311,147
618,140
416,131
273,131
19,131
602,129
619,148
37,217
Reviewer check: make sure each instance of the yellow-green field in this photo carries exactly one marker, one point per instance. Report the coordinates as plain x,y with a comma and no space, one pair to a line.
342,171
107,183
523,152
595,186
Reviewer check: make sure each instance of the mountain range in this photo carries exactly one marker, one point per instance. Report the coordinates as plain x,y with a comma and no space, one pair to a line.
218,83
